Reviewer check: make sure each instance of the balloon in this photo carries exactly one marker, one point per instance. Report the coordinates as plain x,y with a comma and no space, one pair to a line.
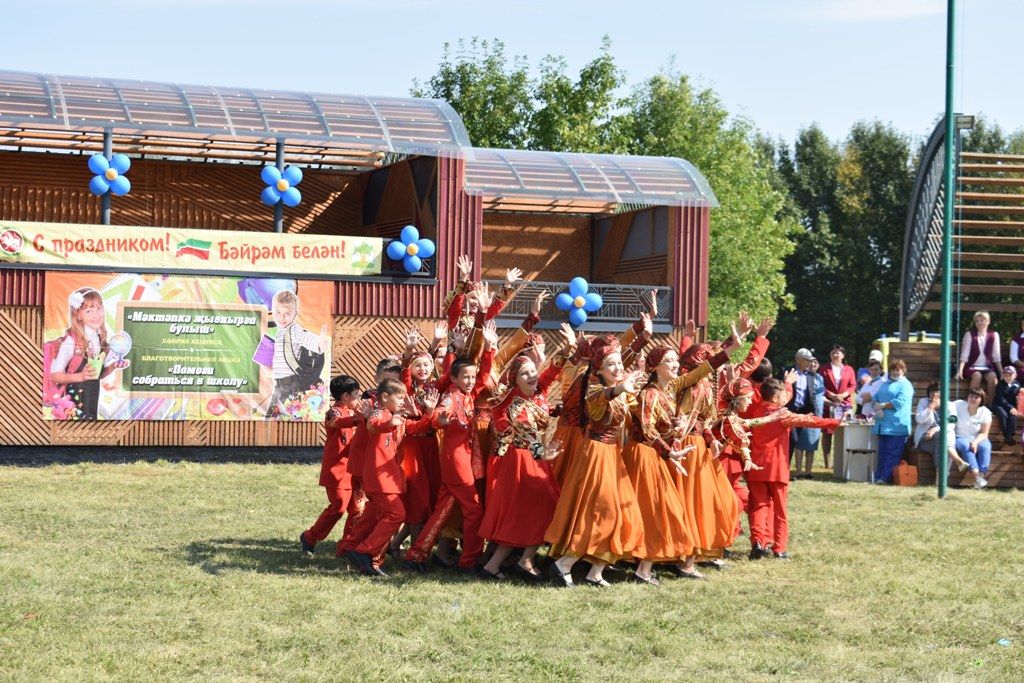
293,174
409,234
593,302
577,317
98,185
120,163
98,164
270,196
563,301
412,264
291,197
120,186
396,250
262,290
270,175
577,287
216,407
426,248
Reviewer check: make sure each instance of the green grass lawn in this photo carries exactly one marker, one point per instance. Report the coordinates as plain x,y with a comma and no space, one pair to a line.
170,571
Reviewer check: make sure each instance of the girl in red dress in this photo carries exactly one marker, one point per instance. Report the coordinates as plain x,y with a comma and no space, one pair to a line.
521,490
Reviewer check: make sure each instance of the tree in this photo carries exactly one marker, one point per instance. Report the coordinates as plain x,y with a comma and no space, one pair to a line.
503,106
854,200
493,95
577,116
750,233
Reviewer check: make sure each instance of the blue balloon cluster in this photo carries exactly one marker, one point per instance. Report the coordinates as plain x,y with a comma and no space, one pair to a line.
410,249
109,175
281,185
578,301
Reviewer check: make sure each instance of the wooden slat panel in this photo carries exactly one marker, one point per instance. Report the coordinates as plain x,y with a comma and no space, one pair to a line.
991,225
990,196
989,156
990,240
988,273
979,208
993,168
994,308
991,182
978,257
21,420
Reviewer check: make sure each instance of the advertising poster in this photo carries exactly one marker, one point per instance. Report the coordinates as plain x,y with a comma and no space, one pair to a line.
129,346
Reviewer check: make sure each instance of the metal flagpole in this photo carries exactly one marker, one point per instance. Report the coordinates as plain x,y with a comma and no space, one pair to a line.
947,250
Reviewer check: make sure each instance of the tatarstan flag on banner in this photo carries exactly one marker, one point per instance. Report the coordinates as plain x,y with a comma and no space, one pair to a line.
194,247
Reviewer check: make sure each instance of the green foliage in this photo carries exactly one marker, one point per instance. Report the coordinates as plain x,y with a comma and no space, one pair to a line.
493,95
750,231
845,273
664,115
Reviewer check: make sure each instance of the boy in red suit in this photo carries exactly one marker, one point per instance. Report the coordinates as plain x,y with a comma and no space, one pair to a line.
455,415
341,422
769,485
383,478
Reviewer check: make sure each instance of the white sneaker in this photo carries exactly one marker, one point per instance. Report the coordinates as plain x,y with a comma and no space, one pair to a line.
963,466
980,482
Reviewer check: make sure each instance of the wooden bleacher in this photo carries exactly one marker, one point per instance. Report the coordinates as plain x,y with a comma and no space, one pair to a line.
1007,468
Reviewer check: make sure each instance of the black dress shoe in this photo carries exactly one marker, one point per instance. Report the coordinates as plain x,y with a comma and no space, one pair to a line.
728,554
361,561
652,581
561,580
440,562
516,570
307,547
417,567
596,583
486,575
759,553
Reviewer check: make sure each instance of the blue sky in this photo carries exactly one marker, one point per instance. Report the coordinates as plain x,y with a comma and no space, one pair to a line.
781,63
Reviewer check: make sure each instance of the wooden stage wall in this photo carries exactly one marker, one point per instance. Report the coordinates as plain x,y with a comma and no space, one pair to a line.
359,342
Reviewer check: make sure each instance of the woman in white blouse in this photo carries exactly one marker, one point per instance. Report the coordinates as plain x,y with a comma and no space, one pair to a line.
973,421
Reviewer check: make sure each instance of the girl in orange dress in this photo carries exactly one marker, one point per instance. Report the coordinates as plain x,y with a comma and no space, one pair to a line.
653,453
597,516
711,505
521,490
569,430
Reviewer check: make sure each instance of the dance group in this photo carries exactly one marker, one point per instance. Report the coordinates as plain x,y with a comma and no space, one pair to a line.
642,462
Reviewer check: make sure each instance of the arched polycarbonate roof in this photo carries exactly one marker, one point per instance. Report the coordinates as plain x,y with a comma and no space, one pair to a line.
520,178
150,112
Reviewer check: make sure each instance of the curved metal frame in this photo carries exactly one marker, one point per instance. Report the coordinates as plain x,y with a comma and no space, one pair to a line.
922,244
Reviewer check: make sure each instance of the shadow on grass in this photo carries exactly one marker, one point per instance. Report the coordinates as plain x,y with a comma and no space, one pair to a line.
283,556
41,456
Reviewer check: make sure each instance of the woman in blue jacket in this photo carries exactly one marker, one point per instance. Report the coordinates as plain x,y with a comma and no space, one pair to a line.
892,419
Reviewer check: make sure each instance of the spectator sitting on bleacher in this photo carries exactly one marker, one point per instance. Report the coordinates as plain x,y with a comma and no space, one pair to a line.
973,421
980,357
926,433
1004,404
1017,349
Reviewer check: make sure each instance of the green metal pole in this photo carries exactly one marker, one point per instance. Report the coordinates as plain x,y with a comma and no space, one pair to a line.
947,249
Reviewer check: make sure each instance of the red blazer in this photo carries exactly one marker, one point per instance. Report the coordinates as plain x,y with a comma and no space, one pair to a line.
460,432
847,381
341,423
769,443
382,471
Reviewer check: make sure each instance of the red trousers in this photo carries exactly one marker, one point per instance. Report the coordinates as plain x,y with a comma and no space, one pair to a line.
472,515
339,501
382,518
742,492
769,526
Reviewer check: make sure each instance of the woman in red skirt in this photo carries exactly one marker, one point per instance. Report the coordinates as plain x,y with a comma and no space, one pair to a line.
521,489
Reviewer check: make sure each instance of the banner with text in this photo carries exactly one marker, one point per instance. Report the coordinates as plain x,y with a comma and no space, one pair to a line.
178,249
128,346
